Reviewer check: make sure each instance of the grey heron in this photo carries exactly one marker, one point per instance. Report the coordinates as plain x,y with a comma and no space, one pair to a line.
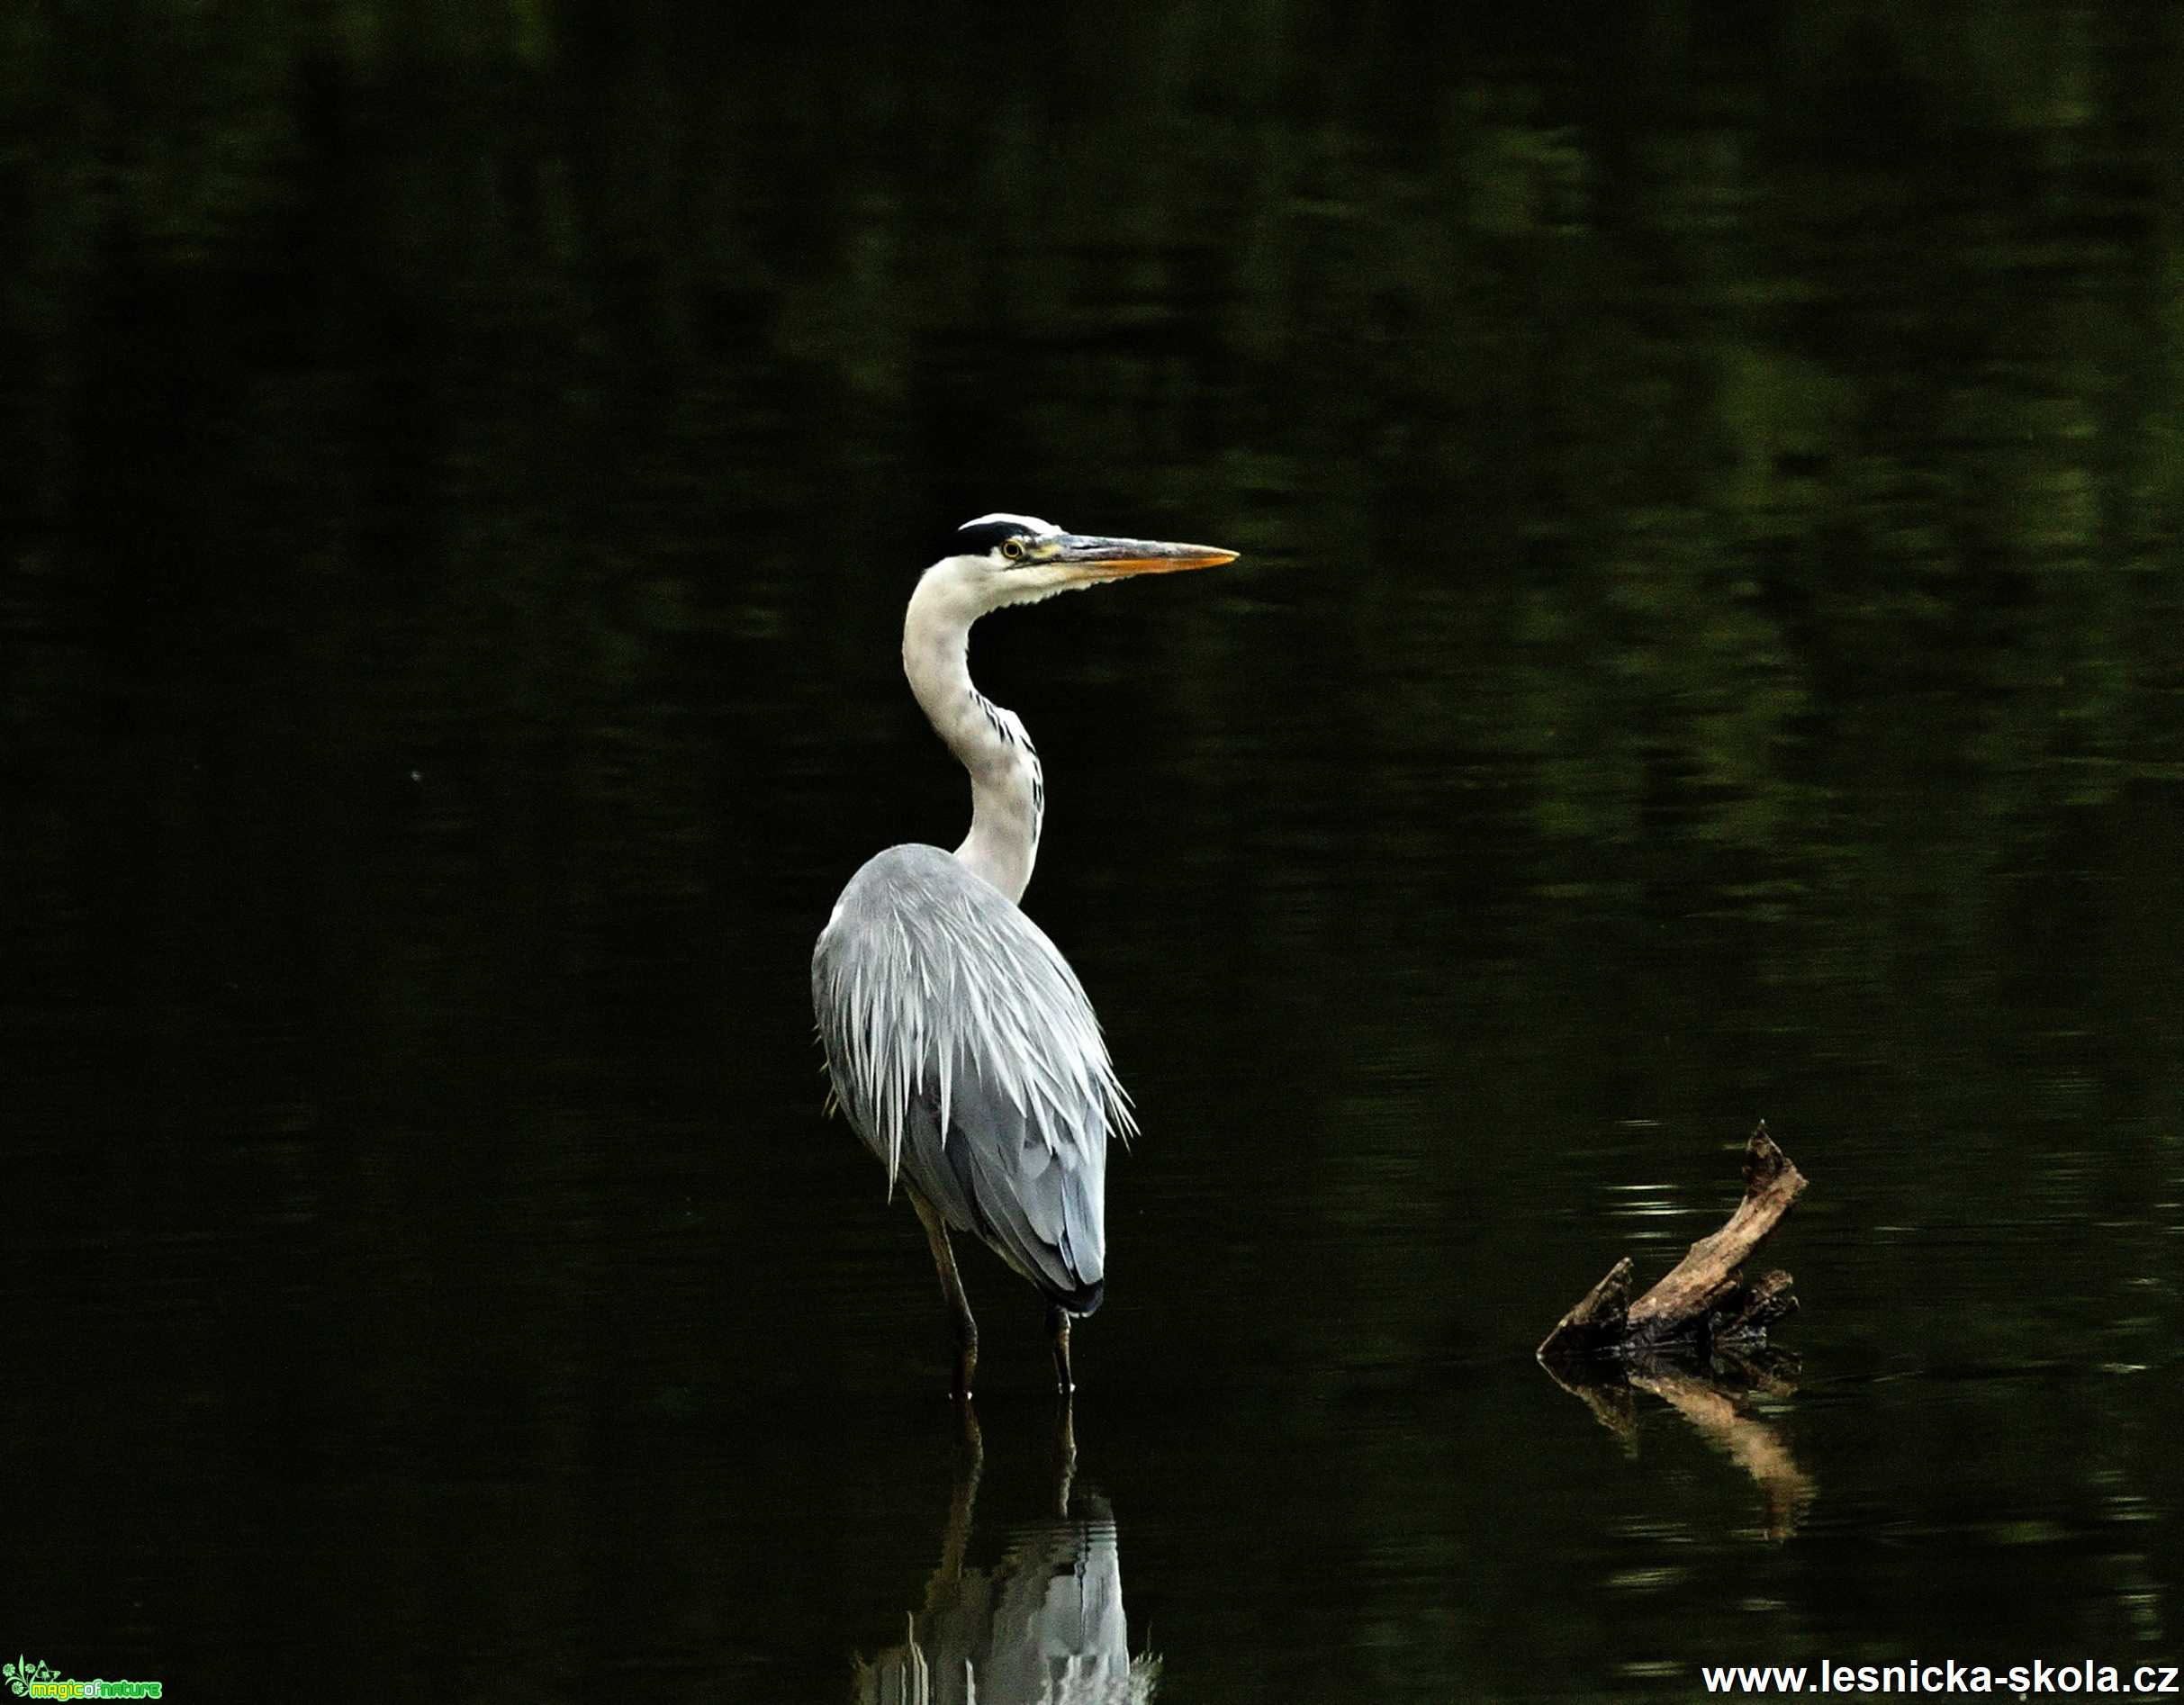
959,1043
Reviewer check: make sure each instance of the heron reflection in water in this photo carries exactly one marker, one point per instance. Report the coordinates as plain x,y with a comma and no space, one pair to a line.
1045,1626
961,1045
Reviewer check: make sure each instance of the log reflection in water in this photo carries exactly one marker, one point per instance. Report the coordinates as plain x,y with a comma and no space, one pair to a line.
1715,1396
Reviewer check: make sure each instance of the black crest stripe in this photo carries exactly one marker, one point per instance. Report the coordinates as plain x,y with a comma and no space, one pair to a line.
981,537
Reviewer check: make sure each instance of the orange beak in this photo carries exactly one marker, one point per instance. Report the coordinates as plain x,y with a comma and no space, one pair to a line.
1111,558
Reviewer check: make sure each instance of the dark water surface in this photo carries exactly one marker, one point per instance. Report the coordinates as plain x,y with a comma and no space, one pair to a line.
1707,647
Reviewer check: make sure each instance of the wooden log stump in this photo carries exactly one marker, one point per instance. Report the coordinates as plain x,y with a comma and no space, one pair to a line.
1703,1301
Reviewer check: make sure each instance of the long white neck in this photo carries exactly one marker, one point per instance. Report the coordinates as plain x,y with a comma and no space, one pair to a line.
1007,789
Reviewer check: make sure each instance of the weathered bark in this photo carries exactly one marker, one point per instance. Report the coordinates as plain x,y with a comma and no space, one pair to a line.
1704,1299
1697,1340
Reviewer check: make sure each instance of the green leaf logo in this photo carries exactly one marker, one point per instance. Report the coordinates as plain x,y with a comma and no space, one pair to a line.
23,1671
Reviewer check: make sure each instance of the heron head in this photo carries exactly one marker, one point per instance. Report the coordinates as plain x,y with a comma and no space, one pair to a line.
1000,559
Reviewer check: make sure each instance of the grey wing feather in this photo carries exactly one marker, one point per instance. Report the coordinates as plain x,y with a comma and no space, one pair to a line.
965,1054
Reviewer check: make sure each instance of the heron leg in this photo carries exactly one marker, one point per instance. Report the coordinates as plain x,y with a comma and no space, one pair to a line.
1065,1457
1057,1329
951,1285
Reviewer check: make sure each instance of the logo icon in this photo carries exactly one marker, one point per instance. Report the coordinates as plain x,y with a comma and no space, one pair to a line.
40,1680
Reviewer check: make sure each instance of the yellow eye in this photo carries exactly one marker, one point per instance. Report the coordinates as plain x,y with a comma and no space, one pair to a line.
1013,548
